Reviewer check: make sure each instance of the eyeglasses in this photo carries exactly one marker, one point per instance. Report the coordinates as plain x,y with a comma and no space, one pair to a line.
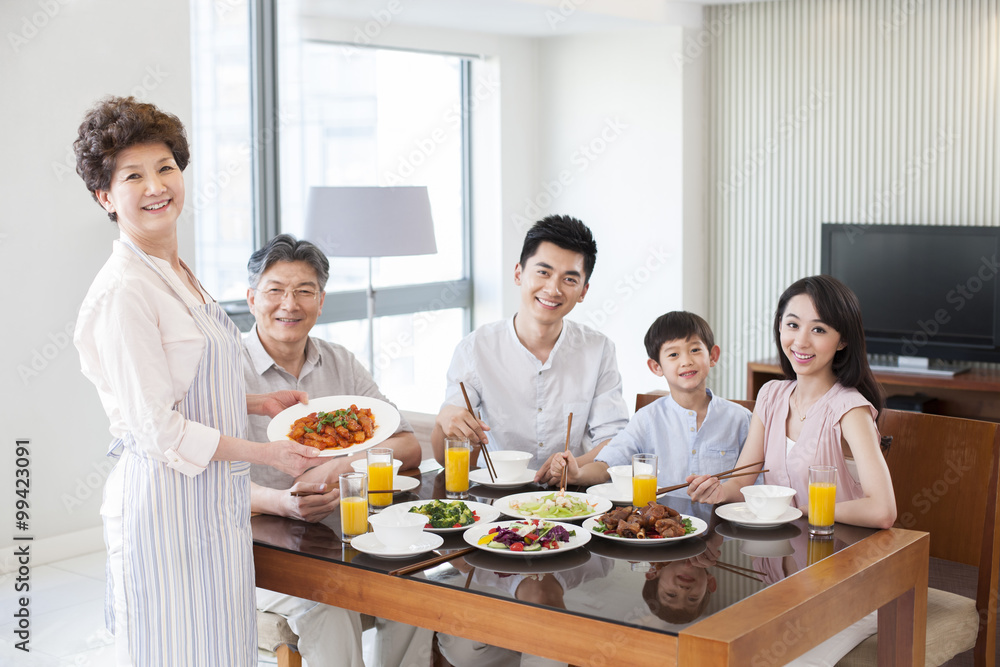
275,295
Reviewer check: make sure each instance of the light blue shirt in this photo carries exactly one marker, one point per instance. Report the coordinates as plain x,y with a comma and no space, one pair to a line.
671,432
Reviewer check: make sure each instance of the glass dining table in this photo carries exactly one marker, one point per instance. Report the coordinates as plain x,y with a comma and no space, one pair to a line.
733,595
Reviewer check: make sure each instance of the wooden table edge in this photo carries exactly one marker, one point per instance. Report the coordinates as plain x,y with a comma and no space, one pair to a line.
890,567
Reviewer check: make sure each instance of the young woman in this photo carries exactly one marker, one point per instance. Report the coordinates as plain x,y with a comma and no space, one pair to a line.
823,414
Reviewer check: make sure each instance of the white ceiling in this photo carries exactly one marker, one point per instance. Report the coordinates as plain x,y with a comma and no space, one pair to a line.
534,18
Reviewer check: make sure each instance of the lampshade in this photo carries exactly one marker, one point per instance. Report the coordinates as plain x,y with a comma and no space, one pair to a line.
370,221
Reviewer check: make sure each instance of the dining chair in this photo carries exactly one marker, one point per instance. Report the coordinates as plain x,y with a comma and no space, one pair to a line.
944,475
274,635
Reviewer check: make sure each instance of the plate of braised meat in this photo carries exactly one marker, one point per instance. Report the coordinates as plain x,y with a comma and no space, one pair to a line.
652,524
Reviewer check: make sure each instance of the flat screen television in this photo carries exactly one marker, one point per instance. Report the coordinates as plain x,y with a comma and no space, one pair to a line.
927,292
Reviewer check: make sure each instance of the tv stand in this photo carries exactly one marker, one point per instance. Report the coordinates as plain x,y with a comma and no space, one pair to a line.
973,394
918,366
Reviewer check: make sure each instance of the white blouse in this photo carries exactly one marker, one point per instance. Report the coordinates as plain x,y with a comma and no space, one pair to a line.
140,347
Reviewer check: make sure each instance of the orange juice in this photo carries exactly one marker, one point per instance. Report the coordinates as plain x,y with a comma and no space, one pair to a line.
822,496
353,516
380,477
819,549
456,469
643,489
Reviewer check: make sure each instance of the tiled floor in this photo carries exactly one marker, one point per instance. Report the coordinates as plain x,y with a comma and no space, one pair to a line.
67,617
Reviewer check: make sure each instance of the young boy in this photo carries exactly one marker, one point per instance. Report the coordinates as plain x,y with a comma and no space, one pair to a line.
691,431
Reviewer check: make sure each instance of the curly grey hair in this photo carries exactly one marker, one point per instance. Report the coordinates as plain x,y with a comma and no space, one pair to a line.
285,248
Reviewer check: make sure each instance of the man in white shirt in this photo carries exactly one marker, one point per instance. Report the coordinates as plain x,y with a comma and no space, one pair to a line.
526,374
287,281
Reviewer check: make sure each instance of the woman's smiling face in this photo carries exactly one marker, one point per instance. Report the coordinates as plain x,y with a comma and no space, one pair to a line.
807,341
146,191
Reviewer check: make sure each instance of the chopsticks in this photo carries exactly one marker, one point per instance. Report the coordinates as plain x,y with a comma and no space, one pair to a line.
565,471
486,454
742,571
310,493
431,562
725,474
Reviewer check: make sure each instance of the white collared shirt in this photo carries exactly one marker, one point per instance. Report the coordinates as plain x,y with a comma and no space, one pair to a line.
527,403
141,348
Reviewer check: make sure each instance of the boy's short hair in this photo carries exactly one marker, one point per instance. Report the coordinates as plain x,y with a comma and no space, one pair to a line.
567,233
650,595
677,325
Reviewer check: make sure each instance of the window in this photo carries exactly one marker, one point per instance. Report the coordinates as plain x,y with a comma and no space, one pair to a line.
345,115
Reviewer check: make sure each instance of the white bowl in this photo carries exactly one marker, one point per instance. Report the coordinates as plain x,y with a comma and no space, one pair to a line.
621,477
768,501
509,463
398,530
767,549
361,465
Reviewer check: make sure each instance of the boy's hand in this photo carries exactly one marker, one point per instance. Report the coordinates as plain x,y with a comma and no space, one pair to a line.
458,422
705,489
550,472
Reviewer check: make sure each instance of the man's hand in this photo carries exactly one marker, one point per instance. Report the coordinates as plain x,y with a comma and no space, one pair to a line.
319,501
550,472
458,422
270,405
705,489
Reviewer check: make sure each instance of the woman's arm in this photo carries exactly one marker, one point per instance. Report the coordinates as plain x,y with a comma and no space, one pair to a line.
878,508
706,489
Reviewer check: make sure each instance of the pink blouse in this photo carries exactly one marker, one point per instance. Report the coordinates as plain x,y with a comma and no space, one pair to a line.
819,442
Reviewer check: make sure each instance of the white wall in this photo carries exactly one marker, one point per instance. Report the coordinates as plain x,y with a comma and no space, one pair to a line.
613,128
56,60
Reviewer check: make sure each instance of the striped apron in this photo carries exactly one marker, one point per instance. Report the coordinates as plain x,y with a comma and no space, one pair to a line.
182,548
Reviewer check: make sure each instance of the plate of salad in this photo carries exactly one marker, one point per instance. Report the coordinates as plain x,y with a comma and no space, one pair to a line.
529,537
553,506
448,516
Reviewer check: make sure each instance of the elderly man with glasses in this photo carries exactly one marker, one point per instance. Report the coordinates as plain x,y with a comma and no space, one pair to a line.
287,280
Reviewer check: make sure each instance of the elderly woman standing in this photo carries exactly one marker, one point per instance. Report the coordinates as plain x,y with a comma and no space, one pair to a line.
166,362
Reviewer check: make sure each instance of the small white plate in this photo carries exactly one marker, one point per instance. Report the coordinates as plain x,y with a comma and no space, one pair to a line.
486,513
740,514
405,483
369,544
598,505
699,528
611,492
386,420
482,476
577,540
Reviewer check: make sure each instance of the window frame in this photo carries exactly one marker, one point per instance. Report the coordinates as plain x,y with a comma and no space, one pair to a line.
349,305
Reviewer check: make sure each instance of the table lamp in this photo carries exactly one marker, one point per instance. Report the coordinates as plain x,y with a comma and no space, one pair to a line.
370,222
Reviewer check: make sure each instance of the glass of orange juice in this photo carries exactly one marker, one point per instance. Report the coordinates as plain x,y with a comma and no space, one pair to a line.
456,467
643,479
379,476
822,498
353,505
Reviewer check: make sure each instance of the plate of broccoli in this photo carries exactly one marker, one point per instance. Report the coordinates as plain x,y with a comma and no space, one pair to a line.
448,516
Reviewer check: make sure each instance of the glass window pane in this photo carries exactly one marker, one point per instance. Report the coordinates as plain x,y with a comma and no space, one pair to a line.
220,195
373,117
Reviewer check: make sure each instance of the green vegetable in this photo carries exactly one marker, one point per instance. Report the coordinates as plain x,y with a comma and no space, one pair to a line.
553,506
441,514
